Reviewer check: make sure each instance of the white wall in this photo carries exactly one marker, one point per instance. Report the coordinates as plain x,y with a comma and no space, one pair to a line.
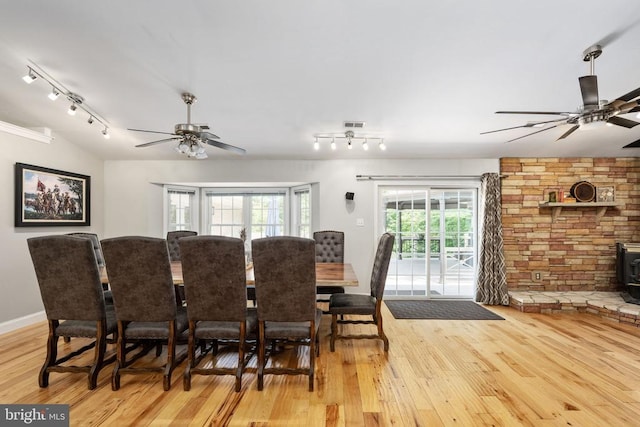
133,198
19,293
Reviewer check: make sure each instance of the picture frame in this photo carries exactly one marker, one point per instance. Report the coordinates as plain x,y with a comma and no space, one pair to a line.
48,197
605,194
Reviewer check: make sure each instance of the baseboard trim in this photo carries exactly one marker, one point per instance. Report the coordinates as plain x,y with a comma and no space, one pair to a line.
20,322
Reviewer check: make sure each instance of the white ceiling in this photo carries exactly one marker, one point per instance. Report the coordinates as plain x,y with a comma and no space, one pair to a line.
270,74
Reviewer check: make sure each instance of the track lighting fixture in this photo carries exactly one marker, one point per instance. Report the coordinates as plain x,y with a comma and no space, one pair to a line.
54,94
77,101
30,77
350,137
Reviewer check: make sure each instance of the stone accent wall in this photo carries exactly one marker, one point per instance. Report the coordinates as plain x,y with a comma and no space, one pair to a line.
576,251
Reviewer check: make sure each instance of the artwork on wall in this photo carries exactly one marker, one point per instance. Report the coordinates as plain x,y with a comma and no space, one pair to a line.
605,194
49,197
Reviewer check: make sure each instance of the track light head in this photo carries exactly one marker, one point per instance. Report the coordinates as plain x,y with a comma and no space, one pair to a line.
90,121
72,110
105,133
316,145
30,77
54,94
381,145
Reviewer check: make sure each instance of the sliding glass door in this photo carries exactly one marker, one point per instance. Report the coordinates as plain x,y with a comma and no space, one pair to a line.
436,240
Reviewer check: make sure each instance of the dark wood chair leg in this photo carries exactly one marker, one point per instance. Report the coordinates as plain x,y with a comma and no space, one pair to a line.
52,354
98,361
334,332
261,356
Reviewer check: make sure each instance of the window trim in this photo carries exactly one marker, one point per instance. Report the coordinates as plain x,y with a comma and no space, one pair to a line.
195,205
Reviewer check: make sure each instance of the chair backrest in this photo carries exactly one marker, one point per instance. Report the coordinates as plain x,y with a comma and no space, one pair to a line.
140,277
172,242
215,278
329,246
381,264
285,276
68,277
97,248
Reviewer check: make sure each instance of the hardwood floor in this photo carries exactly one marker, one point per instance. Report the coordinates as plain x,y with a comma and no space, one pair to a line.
530,369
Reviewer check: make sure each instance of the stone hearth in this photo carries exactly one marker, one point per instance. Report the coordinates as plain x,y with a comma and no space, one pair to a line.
609,305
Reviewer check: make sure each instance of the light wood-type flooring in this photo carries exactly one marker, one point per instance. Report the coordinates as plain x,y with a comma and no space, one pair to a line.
529,369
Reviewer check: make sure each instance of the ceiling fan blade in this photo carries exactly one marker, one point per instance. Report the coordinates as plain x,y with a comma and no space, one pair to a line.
621,121
552,113
224,146
151,131
533,133
634,144
569,132
528,125
631,95
148,144
589,89
208,135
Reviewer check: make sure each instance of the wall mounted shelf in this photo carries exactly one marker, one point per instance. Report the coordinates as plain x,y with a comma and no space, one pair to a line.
556,207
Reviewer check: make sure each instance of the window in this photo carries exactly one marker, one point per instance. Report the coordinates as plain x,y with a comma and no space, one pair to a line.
255,214
302,212
181,209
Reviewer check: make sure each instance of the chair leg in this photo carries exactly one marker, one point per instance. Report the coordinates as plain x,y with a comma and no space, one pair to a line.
381,334
121,358
101,346
312,353
191,356
52,354
171,355
261,351
334,332
243,331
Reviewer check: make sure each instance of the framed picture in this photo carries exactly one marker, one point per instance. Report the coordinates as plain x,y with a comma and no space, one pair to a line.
49,197
605,194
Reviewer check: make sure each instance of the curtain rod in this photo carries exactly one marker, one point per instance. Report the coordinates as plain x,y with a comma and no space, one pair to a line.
403,177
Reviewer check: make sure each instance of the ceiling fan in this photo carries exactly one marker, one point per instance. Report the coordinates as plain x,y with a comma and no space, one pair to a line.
191,137
594,111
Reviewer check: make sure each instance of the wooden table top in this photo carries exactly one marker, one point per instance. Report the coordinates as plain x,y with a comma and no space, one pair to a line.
327,274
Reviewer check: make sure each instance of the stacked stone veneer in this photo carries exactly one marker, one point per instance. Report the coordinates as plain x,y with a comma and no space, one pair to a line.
576,251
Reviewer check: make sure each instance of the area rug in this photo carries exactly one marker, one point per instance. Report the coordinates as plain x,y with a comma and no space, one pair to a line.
439,309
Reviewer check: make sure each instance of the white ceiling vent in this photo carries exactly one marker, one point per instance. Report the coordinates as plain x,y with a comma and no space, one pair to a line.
353,125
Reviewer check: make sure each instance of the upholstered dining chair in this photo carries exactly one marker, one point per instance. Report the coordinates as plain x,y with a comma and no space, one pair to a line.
172,242
365,305
329,248
145,303
69,281
285,279
215,284
97,248
95,241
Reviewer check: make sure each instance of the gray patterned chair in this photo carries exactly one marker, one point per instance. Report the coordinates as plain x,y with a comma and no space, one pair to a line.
215,284
365,305
73,299
172,242
329,248
285,278
145,303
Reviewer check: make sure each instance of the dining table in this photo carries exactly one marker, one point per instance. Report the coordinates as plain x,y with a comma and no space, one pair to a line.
327,274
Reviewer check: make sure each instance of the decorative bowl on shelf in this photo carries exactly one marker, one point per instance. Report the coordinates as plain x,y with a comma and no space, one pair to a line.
583,191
